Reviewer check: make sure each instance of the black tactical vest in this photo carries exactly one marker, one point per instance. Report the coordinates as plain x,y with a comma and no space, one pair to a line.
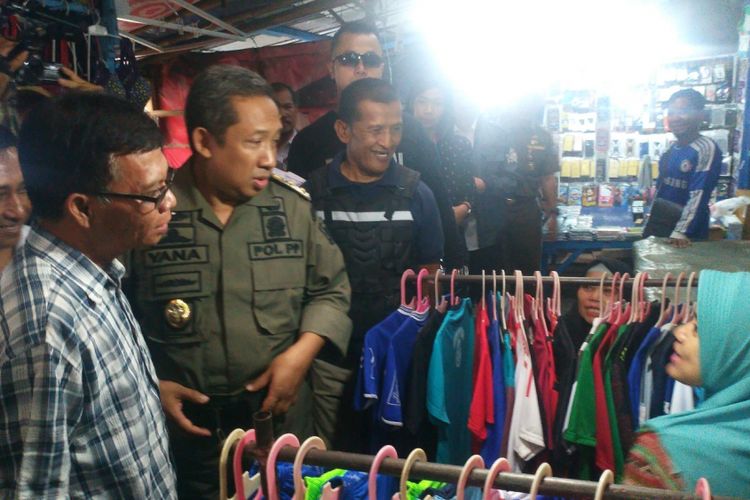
375,235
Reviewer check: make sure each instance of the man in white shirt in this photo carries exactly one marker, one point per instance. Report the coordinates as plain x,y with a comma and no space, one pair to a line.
15,206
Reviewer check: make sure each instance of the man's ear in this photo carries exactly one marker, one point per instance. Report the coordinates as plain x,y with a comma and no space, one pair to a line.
78,206
203,141
343,131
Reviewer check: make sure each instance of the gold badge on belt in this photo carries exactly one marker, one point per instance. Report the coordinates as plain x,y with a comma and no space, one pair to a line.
177,313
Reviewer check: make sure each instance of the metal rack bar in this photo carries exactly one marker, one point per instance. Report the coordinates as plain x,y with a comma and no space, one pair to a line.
570,488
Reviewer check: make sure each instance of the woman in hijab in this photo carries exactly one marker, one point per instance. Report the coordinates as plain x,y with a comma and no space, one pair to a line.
711,441
579,317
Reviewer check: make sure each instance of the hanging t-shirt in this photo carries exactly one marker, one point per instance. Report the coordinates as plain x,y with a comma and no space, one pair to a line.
659,359
635,374
509,372
398,363
603,427
647,378
526,434
374,353
449,383
683,398
491,448
481,412
565,370
581,427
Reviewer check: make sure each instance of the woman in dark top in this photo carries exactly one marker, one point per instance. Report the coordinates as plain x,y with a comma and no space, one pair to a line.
431,105
580,316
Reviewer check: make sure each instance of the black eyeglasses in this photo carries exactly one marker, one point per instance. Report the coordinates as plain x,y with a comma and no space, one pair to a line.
157,200
352,59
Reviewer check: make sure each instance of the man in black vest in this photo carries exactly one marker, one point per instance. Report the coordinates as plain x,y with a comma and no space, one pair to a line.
355,54
383,218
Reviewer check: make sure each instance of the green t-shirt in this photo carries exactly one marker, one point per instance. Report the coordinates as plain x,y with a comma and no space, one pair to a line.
582,423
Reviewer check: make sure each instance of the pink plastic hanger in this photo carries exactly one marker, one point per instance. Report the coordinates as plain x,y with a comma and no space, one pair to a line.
474,462
494,295
678,309
233,437
423,303
488,492
689,312
484,300
502,304
311,443
416,455
601,295
440,303
554,305
387,451
644,305
621,305
455,300
634,299
664,311
703,489
611,307
519,296
281,441
605,480
408,273
249,437
544,470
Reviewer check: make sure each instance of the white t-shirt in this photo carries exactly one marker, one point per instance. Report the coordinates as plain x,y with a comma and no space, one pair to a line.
526,434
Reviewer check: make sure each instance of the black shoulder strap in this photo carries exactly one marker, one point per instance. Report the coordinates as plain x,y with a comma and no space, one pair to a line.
318,184
407,181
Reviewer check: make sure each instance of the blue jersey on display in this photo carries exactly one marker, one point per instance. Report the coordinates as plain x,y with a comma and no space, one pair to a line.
491,447
687,177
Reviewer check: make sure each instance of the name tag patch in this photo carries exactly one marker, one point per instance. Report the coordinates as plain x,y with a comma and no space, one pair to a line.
173,256
291,249
176,284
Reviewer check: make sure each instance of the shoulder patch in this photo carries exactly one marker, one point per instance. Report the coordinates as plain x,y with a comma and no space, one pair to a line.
289,185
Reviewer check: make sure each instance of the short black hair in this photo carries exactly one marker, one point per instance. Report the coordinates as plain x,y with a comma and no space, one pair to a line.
68,144
7,138
422,85
695,99
209,102
280,86
366,89
360,27
612,265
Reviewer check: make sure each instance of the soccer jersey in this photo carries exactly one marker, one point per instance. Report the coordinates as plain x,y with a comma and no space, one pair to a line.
526,434
481,412
491,448
635,374
687,176
450,374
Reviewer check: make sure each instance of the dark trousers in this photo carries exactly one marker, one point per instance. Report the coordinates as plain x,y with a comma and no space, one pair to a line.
196,458
518,245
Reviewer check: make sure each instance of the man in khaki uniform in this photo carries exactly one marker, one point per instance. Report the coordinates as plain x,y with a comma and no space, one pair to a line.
245,289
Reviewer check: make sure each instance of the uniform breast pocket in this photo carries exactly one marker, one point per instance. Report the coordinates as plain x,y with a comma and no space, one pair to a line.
175,306
278,293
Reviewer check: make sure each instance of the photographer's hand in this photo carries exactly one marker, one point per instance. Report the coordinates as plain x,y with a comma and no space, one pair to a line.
75,82
9,67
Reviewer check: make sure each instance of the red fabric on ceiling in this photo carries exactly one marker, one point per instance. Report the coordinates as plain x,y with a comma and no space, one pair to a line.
296,65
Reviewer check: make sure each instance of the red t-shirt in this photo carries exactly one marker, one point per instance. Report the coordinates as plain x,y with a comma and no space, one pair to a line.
482,410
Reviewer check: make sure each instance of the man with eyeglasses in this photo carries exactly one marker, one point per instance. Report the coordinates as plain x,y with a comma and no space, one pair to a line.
690,169
81,412
246,288
356,54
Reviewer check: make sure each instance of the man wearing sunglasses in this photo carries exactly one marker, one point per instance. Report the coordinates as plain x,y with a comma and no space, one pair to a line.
356,54
246,288
81,412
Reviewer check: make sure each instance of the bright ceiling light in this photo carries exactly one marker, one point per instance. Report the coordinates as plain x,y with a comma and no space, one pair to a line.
494,51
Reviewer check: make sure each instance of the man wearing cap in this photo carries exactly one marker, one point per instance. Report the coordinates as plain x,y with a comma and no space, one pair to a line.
245,289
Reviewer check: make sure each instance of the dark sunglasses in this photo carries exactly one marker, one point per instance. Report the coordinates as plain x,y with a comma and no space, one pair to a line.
352,59
156,199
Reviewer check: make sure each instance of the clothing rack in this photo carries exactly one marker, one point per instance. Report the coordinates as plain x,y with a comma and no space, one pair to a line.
547,280
569,488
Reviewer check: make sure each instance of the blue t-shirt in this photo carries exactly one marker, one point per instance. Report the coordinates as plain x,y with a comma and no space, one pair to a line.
491,448
688,176
372,362
635,373
449,383
428,230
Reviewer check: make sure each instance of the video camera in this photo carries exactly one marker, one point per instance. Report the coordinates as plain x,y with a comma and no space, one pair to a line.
37,25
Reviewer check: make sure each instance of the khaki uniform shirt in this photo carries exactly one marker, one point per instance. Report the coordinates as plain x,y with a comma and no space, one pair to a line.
218,303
